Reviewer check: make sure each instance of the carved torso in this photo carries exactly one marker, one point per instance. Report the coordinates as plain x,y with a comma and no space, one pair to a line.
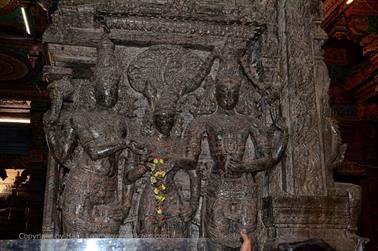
231,203
227,138
95,179
173,225
99,128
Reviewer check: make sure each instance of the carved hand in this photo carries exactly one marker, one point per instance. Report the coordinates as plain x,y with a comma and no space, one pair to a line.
218,49
115,211
279,124
281,145
135,147
235,167
254,71
187,212
184,163
250,166
112,211
278,120
217,52
50,118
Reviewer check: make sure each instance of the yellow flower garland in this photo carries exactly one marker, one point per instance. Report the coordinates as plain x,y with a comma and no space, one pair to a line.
157,181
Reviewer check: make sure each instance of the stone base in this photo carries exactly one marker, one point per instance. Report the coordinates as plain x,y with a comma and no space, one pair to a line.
297,218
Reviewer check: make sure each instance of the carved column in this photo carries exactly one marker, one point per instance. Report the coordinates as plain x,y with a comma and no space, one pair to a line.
312,205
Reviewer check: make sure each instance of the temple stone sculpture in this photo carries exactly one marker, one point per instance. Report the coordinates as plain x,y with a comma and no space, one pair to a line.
193,119
90,200
163,75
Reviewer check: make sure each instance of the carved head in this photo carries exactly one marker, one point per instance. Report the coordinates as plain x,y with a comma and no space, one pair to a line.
229,76
165,114
106,91
106,75
164,122
227,93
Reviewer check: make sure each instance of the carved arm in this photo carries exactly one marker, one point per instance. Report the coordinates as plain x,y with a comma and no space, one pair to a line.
195,185
254,165
101,150
188,211
268,152
98,150
193,136
253,70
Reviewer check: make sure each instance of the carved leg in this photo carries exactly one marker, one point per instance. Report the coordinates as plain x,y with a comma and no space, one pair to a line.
217,226
147,227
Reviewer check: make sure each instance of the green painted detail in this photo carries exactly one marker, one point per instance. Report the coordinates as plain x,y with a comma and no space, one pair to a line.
373,24
339,72
13,16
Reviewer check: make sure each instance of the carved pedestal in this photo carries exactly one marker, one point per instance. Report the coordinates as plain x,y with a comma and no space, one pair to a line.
297,218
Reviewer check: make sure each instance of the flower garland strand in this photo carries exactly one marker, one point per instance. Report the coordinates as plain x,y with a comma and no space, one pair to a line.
157,175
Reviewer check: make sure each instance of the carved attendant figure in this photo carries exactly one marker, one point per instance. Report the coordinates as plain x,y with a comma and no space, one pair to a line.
91,202
231,200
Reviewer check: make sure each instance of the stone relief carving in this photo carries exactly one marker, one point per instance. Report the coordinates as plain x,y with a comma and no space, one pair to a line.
99,135
231,198
203,87
163,75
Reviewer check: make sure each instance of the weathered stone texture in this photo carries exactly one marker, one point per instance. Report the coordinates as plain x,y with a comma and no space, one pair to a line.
231,94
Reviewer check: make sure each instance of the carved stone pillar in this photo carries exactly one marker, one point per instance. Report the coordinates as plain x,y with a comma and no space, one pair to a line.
275,59
315,207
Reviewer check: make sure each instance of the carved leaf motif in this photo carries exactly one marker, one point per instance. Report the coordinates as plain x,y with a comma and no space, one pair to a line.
162,69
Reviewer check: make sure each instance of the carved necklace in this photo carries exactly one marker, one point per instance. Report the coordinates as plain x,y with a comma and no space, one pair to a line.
230,143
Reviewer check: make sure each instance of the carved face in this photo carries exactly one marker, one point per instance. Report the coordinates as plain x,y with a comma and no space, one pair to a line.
164,122
106,91
227,95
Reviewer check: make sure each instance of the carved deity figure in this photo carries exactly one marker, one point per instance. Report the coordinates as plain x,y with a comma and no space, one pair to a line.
163,210
231,201
91,202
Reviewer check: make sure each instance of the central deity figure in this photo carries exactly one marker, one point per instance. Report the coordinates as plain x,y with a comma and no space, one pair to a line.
163,211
